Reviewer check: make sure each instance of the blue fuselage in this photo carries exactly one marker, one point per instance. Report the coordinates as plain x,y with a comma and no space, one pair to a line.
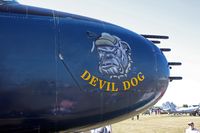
65,72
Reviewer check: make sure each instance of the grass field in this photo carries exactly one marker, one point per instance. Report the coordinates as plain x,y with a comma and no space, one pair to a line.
156,124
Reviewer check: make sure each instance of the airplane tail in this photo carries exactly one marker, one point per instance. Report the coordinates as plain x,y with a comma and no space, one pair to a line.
169,106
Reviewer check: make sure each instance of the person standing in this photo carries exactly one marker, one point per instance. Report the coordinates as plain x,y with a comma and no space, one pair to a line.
106,129
191,128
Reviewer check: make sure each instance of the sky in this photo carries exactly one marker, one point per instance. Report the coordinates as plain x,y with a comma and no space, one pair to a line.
178,19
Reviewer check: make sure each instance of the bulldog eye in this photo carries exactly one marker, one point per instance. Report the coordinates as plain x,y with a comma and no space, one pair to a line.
100,52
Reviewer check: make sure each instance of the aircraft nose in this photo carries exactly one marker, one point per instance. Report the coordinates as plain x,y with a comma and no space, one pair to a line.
162,70
162,67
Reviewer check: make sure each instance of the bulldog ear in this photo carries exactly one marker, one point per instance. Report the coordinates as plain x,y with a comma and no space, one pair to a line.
93,47
125,46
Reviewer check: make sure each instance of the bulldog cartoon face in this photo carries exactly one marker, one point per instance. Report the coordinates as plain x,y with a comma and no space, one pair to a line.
114,55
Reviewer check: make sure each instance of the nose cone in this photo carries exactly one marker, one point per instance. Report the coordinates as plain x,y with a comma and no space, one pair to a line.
162,71
149,60
111,77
